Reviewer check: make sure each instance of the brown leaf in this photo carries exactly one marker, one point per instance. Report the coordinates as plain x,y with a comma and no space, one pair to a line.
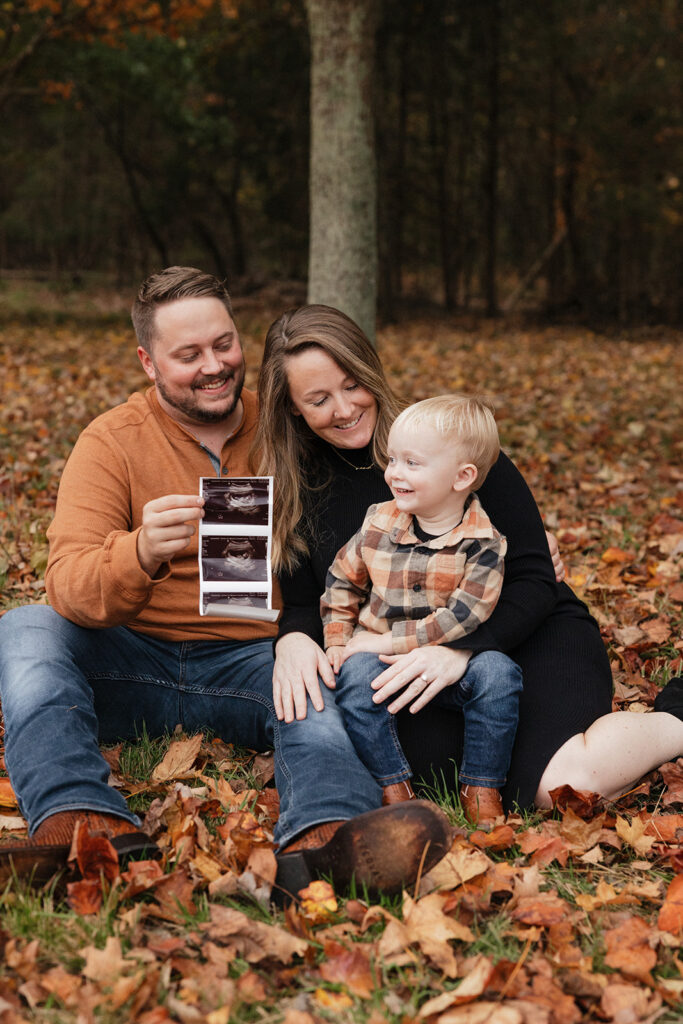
104,965
93,853
178,759
581,802
657,630
544,844
671,914
629,949
582,834
349,967
427,926
85,896
487,1013
251,939
173,894
626,1004
500,838
251,988
457,867
544,909
672,773
139,876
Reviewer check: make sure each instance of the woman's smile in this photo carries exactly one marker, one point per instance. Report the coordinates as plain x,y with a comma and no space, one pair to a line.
331,401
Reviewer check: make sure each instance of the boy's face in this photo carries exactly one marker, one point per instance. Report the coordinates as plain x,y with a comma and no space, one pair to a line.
428,476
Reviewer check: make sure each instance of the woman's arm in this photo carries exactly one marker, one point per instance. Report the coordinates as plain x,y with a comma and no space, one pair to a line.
301,602
529,589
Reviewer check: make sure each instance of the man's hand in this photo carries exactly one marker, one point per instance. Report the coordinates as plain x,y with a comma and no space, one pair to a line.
298,664
168,525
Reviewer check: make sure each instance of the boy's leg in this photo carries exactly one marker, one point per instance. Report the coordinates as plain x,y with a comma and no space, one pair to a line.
488,694
371,728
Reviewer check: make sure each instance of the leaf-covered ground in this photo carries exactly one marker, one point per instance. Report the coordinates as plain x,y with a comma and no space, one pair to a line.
562,917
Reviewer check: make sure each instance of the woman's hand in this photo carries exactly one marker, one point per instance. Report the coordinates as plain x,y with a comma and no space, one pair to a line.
420,675
298,664
558,564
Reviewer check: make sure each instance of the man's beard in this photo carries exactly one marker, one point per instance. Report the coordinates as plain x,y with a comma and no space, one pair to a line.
190,407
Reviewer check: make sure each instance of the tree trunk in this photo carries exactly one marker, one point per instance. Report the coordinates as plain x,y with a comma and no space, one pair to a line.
491,174
343,184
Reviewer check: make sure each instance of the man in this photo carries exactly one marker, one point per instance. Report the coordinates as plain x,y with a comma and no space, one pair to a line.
123,644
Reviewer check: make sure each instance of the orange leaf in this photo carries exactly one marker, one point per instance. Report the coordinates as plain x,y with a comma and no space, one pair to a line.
7,797
318,902
629,950
614,556
500,838
334,1001
671,914
349,967
94,854
544,909
85,897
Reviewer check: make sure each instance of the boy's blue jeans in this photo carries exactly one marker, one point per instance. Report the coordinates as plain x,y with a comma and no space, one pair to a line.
64,689
488,694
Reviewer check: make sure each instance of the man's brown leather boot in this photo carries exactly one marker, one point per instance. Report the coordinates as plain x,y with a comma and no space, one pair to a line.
382,850
481,805
45,853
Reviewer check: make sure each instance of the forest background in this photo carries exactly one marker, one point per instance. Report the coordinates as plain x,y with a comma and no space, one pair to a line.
516,141
529,237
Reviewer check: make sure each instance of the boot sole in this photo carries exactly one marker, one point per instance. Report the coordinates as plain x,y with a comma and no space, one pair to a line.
40,864
380,850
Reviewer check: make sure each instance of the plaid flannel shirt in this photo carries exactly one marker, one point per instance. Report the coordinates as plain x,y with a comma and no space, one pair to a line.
424,592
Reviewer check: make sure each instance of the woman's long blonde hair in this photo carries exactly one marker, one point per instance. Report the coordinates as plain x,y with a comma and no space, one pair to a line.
284,442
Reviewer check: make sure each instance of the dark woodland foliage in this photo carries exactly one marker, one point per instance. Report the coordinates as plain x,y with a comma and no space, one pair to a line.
525,142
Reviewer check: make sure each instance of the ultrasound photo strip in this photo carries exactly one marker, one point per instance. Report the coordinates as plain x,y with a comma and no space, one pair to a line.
235,541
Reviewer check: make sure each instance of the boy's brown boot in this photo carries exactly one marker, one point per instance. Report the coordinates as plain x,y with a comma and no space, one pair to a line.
397,793
481,805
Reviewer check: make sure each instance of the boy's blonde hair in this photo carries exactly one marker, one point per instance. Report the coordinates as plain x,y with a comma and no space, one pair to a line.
462,420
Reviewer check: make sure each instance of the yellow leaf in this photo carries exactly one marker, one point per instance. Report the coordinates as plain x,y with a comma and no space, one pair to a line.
634,834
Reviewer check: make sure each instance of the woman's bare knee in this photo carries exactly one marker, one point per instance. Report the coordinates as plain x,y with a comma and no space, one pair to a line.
567,767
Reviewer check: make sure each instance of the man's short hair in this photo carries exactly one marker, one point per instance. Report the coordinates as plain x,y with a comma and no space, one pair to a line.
167,286
464,421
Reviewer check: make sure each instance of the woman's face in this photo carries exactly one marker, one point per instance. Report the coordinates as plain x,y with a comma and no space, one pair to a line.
334,405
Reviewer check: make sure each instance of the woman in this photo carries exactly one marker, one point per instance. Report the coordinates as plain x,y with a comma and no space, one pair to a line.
322,388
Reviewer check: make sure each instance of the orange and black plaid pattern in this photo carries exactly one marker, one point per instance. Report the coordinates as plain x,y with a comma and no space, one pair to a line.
424,592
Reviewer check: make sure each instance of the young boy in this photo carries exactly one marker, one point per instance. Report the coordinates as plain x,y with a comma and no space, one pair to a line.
426,568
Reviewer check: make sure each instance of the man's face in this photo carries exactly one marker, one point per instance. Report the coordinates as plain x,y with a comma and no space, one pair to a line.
196,362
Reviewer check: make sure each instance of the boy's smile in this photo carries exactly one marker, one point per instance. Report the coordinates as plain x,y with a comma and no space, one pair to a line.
428,478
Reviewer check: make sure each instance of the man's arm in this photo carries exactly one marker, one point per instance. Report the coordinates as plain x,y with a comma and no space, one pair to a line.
470,604
95,576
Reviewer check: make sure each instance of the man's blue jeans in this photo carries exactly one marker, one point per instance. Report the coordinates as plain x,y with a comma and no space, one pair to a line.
488,695
65,688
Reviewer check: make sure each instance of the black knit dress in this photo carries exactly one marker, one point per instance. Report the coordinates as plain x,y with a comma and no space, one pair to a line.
537,622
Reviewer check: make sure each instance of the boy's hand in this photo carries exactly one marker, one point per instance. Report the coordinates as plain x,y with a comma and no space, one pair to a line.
336,657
